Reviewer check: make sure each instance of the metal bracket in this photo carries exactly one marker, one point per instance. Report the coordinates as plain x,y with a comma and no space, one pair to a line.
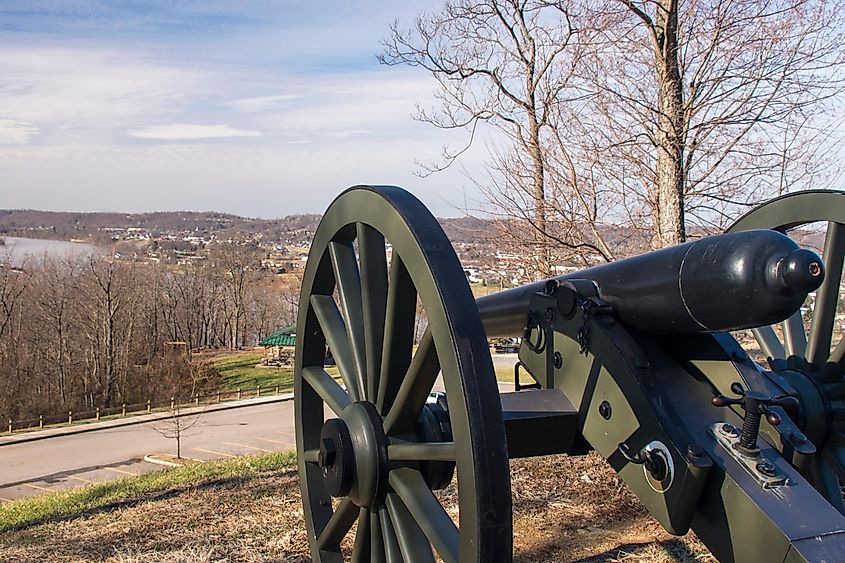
762,469
516,383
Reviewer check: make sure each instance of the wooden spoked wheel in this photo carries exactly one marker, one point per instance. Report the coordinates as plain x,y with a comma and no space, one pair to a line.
808,354
371,450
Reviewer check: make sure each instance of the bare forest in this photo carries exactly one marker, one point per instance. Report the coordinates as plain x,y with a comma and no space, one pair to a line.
668,118
87,332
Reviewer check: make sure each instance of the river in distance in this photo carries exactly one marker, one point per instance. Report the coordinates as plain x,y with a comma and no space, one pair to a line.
18,250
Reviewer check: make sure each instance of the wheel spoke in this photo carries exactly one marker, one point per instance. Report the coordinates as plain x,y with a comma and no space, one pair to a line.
413,544
414,388
361,547
327,388
338,525
328,315
422,451
834,369
827,296
794,336
377,547
823,471
392,552
769,343
373,259
398,332
427,511
348,280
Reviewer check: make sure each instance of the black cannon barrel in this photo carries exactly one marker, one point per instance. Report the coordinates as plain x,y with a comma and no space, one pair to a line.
719,283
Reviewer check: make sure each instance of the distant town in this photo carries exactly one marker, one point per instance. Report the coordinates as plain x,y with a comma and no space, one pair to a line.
279,246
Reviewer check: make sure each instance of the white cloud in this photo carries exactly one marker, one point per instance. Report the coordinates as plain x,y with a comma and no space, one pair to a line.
189,132
73,88
16,132
261,103
212,129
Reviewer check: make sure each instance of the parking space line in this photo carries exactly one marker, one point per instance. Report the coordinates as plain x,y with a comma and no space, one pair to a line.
245,446
4,499
214,452
286,433
274,441
75,478
36,487
119,471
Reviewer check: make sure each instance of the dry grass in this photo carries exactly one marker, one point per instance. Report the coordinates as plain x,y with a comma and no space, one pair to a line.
566,509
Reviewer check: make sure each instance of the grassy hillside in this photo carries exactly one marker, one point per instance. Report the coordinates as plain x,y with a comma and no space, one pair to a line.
248,509
238,370
112,494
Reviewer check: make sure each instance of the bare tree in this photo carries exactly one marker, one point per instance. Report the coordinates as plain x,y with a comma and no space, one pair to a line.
108,294
236,281
647,113
13,283
501,62
707,105
57,303
177,426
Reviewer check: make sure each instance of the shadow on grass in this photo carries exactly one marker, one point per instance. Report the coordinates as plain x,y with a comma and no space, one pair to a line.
674,549
671,549
61,476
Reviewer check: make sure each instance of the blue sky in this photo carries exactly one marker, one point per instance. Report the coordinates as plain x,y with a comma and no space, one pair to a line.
258,108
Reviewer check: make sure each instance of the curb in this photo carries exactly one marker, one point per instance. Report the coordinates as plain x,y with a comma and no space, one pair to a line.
138,419
150,459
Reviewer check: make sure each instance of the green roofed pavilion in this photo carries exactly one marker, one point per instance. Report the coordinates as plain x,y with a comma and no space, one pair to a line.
283,337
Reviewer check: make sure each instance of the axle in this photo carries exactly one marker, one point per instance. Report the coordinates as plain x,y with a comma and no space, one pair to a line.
714,284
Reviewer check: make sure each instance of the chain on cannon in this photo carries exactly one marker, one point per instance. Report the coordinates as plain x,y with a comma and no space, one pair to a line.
634,360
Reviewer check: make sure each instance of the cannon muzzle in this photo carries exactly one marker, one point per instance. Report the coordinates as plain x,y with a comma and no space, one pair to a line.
714,284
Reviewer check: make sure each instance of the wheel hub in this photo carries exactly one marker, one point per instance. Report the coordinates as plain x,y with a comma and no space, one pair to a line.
336,458
814,417
434,426
353,454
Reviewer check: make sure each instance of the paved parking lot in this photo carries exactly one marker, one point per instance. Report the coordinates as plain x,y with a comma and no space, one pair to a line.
33,468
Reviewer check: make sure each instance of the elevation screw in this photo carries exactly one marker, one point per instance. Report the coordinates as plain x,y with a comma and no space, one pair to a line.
756,405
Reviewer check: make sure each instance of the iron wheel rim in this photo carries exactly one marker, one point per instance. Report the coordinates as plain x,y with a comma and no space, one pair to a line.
808,349
455,342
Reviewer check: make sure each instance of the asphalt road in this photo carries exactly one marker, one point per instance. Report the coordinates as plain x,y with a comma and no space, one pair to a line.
61,462
58,463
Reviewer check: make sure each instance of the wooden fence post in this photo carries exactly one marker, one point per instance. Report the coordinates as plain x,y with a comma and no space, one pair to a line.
172,403
218,395
277,389
196,399
239,392
123,410
10,426
40,421
149,405
70,417
97,414
258,391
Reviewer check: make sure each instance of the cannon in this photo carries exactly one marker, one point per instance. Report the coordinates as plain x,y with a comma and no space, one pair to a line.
634,360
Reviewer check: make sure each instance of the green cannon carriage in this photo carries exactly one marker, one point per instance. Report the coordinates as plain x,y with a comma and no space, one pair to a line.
633,359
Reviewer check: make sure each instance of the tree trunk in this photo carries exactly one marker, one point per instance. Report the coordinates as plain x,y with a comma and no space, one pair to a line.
538,181
668,206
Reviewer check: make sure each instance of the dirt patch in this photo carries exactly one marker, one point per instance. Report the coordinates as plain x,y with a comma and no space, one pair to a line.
565,509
